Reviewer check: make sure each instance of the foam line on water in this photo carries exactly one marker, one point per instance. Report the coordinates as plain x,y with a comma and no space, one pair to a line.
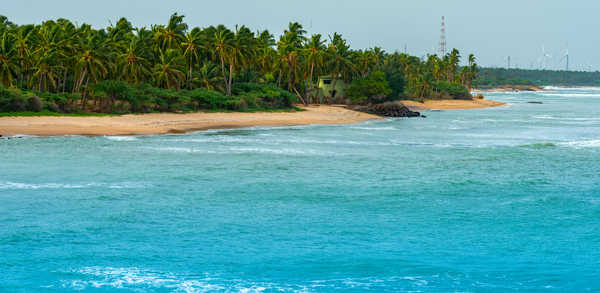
9,185
121,138
582,143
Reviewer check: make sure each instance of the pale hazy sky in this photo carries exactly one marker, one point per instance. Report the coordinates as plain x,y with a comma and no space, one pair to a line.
492,30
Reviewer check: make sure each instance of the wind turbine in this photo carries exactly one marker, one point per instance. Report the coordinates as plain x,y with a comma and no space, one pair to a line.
566,58
544,57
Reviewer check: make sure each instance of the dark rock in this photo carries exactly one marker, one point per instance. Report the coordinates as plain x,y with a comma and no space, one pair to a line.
392,109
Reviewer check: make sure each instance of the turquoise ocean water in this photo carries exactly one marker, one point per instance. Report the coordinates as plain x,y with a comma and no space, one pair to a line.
493,200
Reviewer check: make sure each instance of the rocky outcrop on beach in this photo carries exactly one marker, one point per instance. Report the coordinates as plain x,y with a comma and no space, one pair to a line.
390,109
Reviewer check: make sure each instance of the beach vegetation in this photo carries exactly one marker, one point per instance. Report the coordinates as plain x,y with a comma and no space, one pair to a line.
373,88
65,67
498,77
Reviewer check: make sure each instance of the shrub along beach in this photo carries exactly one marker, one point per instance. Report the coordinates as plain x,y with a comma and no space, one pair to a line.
60,68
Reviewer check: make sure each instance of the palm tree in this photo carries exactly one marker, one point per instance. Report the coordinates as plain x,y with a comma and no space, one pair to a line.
222,41
242,48
92,62
191,46
365,61
9,64
208,76
169,37
452,61
265,53
314,51
45,73
168,71
473,70
290,45
133,66
340,64
23,38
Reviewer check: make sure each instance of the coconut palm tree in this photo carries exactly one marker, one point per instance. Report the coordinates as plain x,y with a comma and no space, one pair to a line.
170,36
241,50
191,51
9,61
24,36
340,64
168,72
222,40
208,76
315,51
134,67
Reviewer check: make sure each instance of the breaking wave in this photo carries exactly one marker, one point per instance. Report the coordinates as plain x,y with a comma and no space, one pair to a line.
582,143
109,278
121,138
8,185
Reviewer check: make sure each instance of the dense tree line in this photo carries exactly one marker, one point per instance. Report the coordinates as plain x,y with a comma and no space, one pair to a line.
493,77
168,67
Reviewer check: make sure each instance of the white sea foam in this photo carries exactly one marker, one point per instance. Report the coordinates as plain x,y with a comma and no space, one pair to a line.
555,88
20,136
571,95
277,151
19,185
181,150
8,185
121,138
582,143
136,279
374,128
550,117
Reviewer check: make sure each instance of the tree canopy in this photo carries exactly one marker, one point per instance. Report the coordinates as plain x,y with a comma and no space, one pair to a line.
62,58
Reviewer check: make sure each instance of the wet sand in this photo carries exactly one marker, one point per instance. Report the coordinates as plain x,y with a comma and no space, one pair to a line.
164,123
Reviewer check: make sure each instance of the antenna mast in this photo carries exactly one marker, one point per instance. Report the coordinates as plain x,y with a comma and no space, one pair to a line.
443,38
567,55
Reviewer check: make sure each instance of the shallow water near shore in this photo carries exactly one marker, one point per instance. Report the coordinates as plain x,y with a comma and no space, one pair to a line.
492,200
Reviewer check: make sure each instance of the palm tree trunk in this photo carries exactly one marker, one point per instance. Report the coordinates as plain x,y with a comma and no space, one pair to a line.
289,78
224,75
300,96
190,78
85,94
22,75
310,81
279,78
230,79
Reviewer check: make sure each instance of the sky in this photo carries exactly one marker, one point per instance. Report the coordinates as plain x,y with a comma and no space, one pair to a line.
492,30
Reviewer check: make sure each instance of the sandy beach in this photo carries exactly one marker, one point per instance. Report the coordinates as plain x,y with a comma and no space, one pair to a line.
163,123
451,104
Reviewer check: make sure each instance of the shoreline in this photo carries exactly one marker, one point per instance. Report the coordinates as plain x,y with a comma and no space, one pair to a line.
510,88
451,104
172,123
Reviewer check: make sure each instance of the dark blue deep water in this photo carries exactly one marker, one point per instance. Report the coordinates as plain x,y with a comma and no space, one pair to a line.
494,200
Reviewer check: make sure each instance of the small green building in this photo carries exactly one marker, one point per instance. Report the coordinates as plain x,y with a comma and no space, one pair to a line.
326,91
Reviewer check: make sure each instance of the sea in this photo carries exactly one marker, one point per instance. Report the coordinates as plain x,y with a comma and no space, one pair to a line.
502,199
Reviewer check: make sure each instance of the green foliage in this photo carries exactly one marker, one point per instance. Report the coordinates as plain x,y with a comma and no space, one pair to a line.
50,113
451,89
175,67
396,81
372,89
264,96
120,97
496,77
